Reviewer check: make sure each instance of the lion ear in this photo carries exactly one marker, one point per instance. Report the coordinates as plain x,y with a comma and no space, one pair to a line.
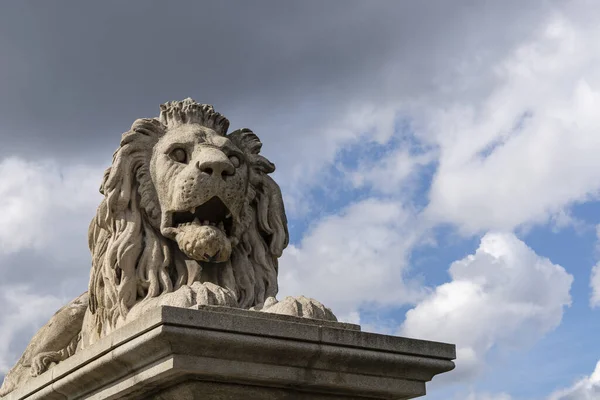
247,141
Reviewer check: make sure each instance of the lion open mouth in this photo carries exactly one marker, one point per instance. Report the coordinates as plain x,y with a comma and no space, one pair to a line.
213,212
203,232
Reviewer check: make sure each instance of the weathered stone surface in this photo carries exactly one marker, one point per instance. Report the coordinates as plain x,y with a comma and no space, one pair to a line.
211,353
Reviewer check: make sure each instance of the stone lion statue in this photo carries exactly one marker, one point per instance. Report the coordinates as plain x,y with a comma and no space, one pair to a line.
190,216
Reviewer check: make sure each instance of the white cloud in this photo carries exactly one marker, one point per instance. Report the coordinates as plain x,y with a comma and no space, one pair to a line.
356,258
587,388
595,276
43,204
393,173
528,149
503,295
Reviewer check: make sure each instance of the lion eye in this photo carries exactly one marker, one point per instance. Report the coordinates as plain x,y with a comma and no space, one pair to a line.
235,161
179,155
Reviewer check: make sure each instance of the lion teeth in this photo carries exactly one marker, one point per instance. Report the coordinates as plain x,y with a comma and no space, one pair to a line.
221,226
193,210
228,215
206,223
196,221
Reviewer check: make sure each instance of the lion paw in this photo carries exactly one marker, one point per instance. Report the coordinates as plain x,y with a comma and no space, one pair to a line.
209,294
41,362
298,307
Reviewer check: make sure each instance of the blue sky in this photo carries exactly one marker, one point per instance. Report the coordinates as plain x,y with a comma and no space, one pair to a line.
438,161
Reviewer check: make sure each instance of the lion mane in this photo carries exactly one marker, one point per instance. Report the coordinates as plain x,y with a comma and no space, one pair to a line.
133,262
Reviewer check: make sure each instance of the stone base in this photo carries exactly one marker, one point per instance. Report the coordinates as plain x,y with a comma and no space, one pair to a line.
221,353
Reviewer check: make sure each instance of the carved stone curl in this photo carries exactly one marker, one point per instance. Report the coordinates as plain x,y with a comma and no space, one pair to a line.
190,217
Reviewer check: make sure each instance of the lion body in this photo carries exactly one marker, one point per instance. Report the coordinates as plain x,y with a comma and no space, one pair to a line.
189,217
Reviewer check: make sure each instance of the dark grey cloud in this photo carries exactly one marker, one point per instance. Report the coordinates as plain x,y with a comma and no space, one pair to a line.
74,75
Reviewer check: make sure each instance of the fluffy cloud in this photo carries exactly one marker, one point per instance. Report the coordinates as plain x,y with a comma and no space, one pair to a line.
503,295
530,147
595,285
393,173
43,228
355,258
42,203
595,277
587,388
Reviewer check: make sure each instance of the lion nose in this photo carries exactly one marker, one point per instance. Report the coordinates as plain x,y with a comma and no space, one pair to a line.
215,163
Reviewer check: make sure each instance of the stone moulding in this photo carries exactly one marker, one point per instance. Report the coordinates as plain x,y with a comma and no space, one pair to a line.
224,353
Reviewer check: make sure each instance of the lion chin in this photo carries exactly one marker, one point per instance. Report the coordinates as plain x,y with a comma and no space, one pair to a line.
190,216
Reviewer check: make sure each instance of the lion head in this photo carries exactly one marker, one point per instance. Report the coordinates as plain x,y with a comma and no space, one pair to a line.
184,202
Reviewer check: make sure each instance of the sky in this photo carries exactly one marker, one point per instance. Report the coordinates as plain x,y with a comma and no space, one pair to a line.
438,162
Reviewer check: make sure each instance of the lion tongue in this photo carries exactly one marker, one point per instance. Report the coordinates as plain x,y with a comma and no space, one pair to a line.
197,222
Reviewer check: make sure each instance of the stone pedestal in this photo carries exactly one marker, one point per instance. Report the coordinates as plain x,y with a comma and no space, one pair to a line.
220,353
